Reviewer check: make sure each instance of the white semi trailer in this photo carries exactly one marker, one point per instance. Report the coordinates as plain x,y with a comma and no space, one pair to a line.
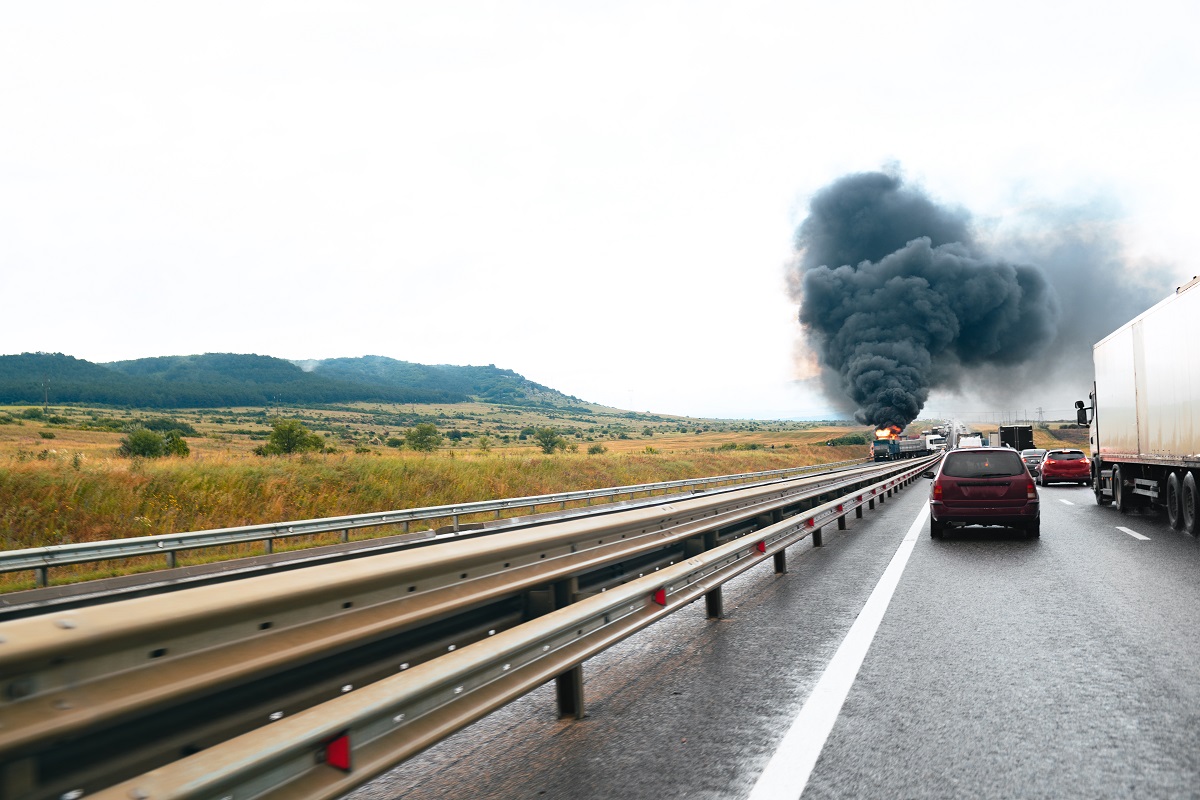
1145,406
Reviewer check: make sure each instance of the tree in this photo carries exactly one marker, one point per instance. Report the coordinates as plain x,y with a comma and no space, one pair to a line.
549,440
143,443
289,436
424,438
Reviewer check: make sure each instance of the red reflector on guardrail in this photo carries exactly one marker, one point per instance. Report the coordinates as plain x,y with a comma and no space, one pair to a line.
660,597
337,752
761,547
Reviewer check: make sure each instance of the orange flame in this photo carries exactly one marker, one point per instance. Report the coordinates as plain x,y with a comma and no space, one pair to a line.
890,432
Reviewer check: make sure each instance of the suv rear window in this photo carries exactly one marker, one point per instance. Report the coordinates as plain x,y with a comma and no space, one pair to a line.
1066,455
983,465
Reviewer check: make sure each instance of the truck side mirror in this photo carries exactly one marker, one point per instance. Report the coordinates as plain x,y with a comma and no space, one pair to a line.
1081,412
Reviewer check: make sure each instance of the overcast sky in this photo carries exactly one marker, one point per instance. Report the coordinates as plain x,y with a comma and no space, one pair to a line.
600,196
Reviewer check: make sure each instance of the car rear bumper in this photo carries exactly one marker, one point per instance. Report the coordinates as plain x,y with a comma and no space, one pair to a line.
985,515
1062,475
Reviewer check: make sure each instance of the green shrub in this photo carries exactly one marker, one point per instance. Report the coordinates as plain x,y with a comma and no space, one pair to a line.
549,440
849,439
423,438
597,449
166,424
143,443
289,436
46,434
33,413
174,445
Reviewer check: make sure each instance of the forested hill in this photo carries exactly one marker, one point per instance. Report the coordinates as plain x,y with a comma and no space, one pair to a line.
227,379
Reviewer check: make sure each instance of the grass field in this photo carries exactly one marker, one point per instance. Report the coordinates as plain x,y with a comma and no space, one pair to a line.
62,481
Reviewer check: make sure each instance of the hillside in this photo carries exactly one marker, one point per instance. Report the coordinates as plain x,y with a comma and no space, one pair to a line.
215,380
487,384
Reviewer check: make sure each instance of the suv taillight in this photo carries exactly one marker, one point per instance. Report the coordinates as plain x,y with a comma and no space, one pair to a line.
937,491
1030,491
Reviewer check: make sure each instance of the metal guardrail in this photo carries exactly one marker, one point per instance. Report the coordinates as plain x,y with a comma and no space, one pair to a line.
83,675
41,559
331,748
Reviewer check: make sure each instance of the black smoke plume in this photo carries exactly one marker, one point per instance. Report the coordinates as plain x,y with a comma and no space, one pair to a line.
898,299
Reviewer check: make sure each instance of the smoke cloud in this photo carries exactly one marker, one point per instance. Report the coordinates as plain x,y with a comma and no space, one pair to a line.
897,298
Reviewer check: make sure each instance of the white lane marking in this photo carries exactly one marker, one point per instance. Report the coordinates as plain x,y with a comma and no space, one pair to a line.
1134,534
788,771
1068,502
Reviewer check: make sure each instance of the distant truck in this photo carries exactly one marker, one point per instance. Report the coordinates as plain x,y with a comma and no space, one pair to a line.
970,440
1145,411
1018,437
895,449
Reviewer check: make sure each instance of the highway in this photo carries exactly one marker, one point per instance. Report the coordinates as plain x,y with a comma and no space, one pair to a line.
1002,667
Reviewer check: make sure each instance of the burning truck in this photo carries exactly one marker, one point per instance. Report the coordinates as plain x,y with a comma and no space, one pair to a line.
889,446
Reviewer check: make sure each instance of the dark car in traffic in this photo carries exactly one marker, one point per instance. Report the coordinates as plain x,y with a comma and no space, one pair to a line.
983,486
1033,460
1065,466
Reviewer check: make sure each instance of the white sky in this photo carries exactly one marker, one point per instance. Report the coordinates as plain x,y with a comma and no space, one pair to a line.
600,196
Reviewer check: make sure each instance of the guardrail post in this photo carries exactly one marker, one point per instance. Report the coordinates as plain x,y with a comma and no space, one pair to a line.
871,504
18,777
842,522
858,512
455,522
780,563
170,559
568,687
816,537
270,545
42,576
345,534
714,607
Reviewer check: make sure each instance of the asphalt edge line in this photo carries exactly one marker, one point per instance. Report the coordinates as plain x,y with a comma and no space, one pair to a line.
788,771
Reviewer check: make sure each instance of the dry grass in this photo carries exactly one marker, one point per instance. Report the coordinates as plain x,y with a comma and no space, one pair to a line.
74,488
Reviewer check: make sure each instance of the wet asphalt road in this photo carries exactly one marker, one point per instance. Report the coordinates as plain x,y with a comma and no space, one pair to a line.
1062,667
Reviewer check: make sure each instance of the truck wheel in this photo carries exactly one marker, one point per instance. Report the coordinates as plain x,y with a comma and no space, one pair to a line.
1120,501
1174,504
1188,500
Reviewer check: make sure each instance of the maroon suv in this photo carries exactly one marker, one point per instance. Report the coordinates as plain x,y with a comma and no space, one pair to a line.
983,486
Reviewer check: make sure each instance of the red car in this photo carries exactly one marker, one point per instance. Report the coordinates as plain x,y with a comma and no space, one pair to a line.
1065,466
983,486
